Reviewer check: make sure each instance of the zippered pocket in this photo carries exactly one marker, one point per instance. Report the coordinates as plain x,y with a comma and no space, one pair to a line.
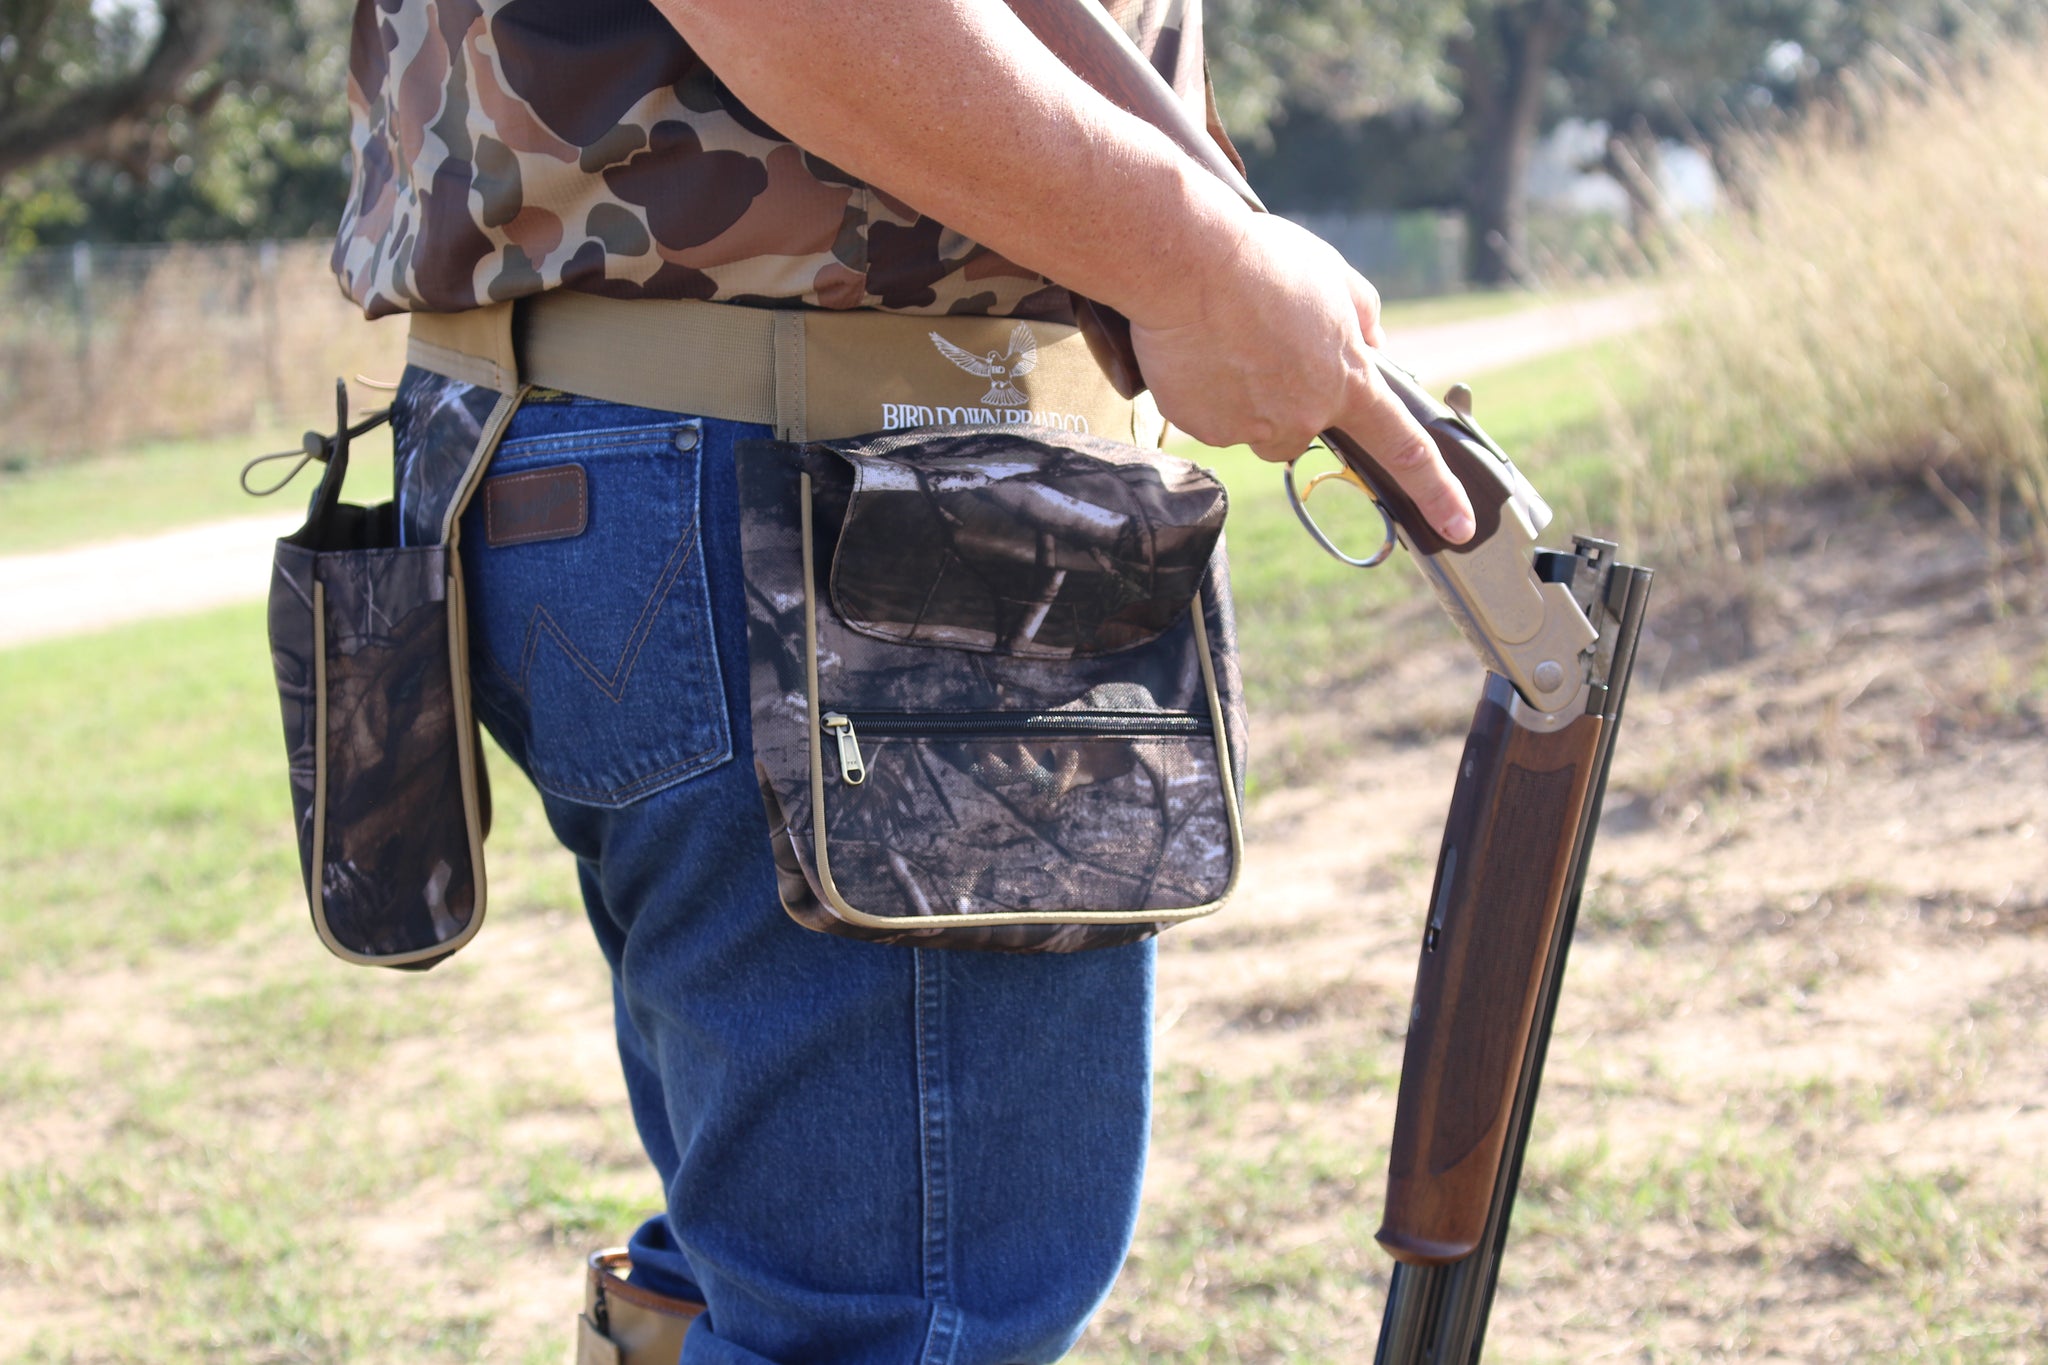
845,728
1044,772
1102,818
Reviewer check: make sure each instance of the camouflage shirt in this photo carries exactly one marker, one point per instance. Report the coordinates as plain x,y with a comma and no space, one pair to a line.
504,147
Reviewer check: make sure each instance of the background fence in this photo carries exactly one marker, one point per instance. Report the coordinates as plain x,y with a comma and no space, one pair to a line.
103,347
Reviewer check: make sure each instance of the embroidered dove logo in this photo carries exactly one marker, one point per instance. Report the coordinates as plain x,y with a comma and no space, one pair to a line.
999,370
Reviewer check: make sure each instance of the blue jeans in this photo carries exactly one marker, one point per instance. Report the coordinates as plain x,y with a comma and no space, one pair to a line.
872,1154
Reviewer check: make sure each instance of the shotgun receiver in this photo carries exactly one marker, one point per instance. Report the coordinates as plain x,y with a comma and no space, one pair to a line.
1556,631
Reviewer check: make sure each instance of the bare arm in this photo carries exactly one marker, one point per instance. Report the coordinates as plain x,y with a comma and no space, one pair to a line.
1248,328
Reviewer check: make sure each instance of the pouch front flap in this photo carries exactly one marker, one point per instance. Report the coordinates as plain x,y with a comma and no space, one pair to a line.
1004,543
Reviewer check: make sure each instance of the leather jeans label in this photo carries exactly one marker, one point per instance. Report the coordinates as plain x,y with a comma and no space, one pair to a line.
536,504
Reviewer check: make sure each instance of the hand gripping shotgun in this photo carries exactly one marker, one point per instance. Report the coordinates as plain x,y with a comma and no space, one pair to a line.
1556,631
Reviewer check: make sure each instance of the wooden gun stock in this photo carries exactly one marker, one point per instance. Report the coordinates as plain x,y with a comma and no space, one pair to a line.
1501,880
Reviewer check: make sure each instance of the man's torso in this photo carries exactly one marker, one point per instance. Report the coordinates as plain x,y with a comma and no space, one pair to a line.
506,147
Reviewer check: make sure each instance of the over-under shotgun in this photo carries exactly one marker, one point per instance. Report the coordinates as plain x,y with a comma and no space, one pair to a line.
1556,631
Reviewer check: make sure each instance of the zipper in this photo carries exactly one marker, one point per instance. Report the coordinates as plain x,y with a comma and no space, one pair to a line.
851,766
1001,725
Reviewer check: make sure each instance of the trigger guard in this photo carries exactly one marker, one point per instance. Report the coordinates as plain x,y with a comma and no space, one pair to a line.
1308,522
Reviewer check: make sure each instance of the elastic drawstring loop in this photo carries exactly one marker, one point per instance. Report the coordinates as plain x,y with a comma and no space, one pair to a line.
312,446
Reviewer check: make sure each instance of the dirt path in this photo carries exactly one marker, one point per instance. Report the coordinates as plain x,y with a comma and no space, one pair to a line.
92,587
1451,351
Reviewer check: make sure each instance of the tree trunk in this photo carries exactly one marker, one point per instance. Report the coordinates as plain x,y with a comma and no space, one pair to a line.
1503,70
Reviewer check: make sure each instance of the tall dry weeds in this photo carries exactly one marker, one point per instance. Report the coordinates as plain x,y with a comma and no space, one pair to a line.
181,341
1884,313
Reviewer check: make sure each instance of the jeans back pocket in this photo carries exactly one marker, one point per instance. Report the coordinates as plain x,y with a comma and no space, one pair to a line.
594,661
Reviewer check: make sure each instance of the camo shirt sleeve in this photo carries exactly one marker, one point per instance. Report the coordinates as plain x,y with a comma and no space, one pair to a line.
504,147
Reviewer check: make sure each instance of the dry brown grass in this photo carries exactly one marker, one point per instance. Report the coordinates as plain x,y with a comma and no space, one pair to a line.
176,342
1884,313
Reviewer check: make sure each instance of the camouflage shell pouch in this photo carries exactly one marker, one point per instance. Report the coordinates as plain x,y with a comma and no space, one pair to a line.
996,701
389,796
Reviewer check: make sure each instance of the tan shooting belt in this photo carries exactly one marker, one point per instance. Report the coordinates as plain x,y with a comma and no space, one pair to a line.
809,374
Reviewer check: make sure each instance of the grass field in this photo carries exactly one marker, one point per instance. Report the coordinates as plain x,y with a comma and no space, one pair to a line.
184,1072
1402,314
1885,313
159,487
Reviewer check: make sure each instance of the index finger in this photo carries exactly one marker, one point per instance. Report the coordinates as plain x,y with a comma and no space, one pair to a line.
1378,420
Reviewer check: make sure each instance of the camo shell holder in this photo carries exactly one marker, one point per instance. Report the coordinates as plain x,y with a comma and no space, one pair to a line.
995,693
368,640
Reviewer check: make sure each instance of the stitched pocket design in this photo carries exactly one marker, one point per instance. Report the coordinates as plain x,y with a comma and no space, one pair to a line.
593,650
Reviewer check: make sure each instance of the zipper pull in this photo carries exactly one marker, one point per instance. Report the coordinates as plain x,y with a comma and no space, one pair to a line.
851,767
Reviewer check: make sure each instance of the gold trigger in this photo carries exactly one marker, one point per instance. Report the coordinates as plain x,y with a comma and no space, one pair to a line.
1345,474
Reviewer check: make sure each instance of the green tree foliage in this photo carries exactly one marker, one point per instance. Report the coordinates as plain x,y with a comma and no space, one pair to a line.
248,139
1399,160
73,75
1455,93
1346,60
1455,90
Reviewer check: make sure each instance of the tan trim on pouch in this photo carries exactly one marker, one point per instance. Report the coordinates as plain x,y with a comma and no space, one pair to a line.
822,853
